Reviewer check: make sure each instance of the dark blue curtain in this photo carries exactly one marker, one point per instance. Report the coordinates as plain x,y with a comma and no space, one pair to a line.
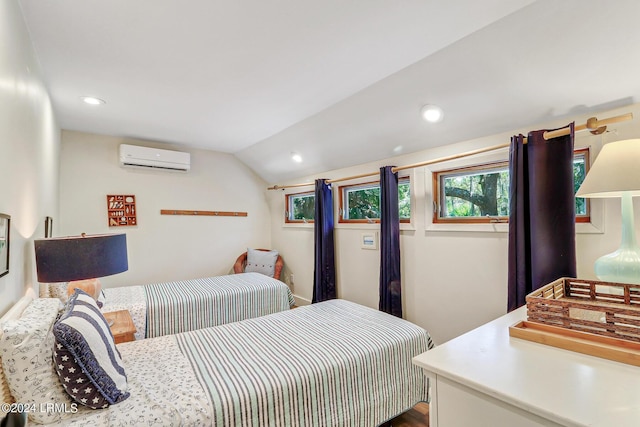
390,284
324,274
542,214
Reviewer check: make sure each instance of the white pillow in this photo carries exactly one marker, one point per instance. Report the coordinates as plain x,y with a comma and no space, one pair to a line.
26,347
261,262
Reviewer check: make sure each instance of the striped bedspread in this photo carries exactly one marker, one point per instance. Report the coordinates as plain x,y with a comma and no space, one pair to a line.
188,305
334,363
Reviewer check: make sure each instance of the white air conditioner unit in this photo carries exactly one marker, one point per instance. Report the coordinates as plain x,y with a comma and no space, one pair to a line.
154,158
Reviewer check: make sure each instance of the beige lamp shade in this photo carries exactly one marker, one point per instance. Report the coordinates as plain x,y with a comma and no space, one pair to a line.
615,171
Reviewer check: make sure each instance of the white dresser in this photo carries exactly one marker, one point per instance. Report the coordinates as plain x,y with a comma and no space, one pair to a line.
485,378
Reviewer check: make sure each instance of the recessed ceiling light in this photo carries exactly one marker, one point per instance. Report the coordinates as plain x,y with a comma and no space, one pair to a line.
91,100
296,157
432,113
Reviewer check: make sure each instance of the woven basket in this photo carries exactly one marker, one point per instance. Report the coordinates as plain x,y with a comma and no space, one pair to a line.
603,308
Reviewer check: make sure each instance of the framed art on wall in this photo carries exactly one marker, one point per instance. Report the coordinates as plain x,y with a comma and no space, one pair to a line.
121,210
5,221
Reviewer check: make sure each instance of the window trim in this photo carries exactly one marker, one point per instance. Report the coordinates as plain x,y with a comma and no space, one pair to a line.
287,205
436,178
465,170
341,208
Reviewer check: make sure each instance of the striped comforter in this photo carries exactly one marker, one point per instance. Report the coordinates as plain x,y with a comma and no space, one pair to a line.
330,364
188,305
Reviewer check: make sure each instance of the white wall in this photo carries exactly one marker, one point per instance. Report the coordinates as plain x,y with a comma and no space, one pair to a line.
163,247
29,151
452,281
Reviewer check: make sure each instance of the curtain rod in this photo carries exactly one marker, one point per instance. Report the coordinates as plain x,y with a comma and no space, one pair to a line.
594,125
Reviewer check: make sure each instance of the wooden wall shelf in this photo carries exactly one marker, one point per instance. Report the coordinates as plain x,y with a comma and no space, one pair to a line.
200,213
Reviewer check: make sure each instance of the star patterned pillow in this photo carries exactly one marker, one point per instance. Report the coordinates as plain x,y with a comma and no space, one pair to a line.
75,382
86,359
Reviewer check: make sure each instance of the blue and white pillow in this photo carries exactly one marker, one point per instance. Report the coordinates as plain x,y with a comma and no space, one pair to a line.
261,262
86,359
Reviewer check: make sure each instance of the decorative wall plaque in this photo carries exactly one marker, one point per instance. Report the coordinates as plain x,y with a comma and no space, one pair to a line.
121,210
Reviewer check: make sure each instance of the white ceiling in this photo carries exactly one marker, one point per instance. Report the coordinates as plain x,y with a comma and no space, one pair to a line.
340,82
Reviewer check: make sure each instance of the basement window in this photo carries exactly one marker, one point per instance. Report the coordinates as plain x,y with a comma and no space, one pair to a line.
360,203
480,193
300,207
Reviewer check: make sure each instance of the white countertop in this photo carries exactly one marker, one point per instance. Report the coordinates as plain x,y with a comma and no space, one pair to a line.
568,388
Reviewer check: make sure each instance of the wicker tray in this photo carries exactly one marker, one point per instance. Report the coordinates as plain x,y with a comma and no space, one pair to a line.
603,308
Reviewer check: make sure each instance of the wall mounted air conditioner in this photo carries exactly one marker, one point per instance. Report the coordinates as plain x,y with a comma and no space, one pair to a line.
154,158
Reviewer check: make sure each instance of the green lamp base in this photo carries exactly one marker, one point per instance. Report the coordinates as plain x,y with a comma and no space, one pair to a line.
623,265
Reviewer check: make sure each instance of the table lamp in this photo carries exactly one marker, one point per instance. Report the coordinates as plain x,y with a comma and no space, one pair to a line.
81,260
616,173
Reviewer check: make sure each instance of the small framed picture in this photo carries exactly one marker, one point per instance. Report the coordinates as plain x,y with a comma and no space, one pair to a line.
369,241
48,227
5,227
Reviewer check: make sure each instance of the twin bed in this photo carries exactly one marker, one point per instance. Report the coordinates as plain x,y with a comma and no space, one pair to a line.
172,307
334,363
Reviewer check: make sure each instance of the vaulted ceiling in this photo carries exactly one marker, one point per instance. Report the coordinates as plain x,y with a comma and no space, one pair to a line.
340,82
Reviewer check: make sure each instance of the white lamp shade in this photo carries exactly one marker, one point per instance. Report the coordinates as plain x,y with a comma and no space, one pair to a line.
616,170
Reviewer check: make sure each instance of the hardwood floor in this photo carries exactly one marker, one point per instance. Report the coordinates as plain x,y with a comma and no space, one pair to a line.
418,416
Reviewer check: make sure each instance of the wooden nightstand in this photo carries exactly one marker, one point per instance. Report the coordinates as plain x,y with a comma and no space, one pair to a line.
123,329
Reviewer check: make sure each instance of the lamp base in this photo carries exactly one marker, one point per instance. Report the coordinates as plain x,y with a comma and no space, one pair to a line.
621,266
90,286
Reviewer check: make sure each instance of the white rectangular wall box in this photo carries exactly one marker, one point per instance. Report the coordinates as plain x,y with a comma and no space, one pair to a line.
369,240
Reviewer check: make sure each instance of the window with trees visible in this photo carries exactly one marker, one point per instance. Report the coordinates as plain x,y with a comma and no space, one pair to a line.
480,193
361,202
300,207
